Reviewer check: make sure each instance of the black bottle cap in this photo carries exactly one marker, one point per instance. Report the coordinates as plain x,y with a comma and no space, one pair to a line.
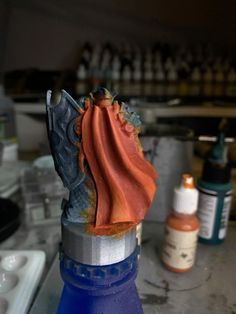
216,173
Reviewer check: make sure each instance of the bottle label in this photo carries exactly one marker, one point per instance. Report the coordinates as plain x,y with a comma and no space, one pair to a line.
179,248
207,208
207,204
225,216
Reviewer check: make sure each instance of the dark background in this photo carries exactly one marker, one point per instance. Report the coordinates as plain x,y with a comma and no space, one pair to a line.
47,34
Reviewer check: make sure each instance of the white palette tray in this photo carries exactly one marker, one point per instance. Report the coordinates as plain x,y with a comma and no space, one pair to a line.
20,272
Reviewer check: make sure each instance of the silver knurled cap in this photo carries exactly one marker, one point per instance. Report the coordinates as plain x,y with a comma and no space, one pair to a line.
96,250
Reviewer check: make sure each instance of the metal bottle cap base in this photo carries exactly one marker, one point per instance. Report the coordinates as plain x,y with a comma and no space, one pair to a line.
96,250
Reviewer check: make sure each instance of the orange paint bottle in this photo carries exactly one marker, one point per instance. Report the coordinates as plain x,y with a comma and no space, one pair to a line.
181,230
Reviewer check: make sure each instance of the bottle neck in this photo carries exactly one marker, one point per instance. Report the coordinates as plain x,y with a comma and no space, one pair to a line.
182,215
103,280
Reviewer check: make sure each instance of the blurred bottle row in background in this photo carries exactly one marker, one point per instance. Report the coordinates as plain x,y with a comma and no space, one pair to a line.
160,71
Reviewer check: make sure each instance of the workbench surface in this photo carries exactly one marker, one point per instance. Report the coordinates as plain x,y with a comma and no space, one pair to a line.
208,288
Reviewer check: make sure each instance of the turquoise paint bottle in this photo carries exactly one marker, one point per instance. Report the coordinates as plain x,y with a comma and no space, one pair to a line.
215,195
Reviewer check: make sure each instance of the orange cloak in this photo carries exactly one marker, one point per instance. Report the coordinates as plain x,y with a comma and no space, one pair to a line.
124,180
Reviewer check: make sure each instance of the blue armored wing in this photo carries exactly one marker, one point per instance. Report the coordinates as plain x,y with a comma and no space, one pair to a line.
63,139
64,143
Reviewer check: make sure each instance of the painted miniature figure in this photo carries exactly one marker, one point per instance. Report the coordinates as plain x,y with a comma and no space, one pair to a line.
98,156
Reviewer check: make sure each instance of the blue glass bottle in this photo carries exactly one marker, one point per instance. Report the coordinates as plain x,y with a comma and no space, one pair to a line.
99,289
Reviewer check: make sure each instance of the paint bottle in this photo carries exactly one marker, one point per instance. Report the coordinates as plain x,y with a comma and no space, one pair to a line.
195,82
94,71
115,74
171,78
137,79
82,80
160,83
215,195
181,230
169,65
230,90
207,87
219,79
148,80
183,80
125,82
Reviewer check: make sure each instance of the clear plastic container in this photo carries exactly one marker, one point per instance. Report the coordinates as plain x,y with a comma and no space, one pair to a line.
42,192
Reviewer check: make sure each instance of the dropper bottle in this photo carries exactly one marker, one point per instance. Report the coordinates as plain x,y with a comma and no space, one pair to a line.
215,195
231,83
181,230
125,86
82,80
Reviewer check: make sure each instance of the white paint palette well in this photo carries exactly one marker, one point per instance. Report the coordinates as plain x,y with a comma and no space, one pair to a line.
20,272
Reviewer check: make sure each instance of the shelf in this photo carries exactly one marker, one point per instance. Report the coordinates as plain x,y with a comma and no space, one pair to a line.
160,111
187,111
